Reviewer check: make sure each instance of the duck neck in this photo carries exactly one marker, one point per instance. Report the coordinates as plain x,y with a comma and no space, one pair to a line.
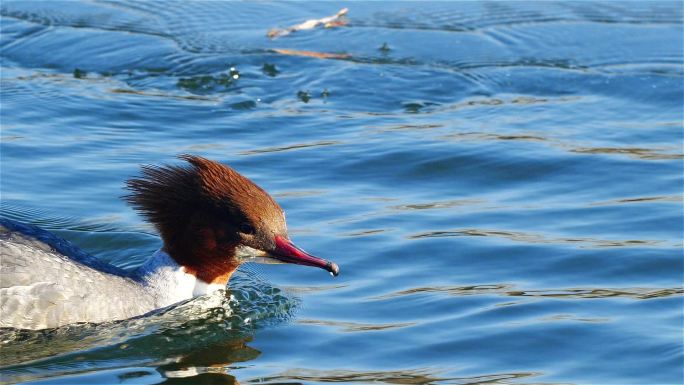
169,282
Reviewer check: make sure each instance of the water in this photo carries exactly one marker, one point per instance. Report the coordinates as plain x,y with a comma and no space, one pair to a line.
500,183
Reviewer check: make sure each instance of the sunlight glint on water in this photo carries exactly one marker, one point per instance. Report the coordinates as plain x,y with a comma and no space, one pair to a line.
500,183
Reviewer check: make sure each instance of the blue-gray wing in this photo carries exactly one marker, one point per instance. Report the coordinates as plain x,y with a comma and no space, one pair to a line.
35,237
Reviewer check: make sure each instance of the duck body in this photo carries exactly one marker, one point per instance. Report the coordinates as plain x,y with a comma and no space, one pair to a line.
47,282
210,218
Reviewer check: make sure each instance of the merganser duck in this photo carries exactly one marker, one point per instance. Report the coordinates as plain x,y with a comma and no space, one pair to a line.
210,218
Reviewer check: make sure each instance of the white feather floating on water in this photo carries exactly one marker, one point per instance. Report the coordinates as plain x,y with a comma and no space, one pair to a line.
336,20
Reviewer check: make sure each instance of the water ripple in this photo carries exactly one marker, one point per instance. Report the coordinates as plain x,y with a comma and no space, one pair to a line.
663,198
365,233
533,130
399,377
296,146
640,153
437,205
532,238
349,327
573,293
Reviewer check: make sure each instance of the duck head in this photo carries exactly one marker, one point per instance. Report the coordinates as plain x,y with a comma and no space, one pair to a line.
212,219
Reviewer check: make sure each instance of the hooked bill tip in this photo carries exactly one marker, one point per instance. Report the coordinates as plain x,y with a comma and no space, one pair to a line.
333,269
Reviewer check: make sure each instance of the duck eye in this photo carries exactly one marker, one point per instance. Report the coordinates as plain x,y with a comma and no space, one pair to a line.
246,228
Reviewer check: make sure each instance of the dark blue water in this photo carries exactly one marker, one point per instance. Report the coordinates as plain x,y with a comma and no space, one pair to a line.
500,183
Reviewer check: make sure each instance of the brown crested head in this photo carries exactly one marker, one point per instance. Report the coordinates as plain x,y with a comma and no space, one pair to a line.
207,214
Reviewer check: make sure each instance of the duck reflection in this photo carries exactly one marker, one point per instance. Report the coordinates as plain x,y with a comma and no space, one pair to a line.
209,365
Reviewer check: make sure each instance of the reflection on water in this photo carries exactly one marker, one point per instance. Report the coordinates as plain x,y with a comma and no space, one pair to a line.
670,198
641,153
501,183
538,238
290,147
415,376
162,95
437,205
481,136
215,359
350,327
507,290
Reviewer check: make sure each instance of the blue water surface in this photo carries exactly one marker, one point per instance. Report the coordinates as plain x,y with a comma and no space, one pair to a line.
500,183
